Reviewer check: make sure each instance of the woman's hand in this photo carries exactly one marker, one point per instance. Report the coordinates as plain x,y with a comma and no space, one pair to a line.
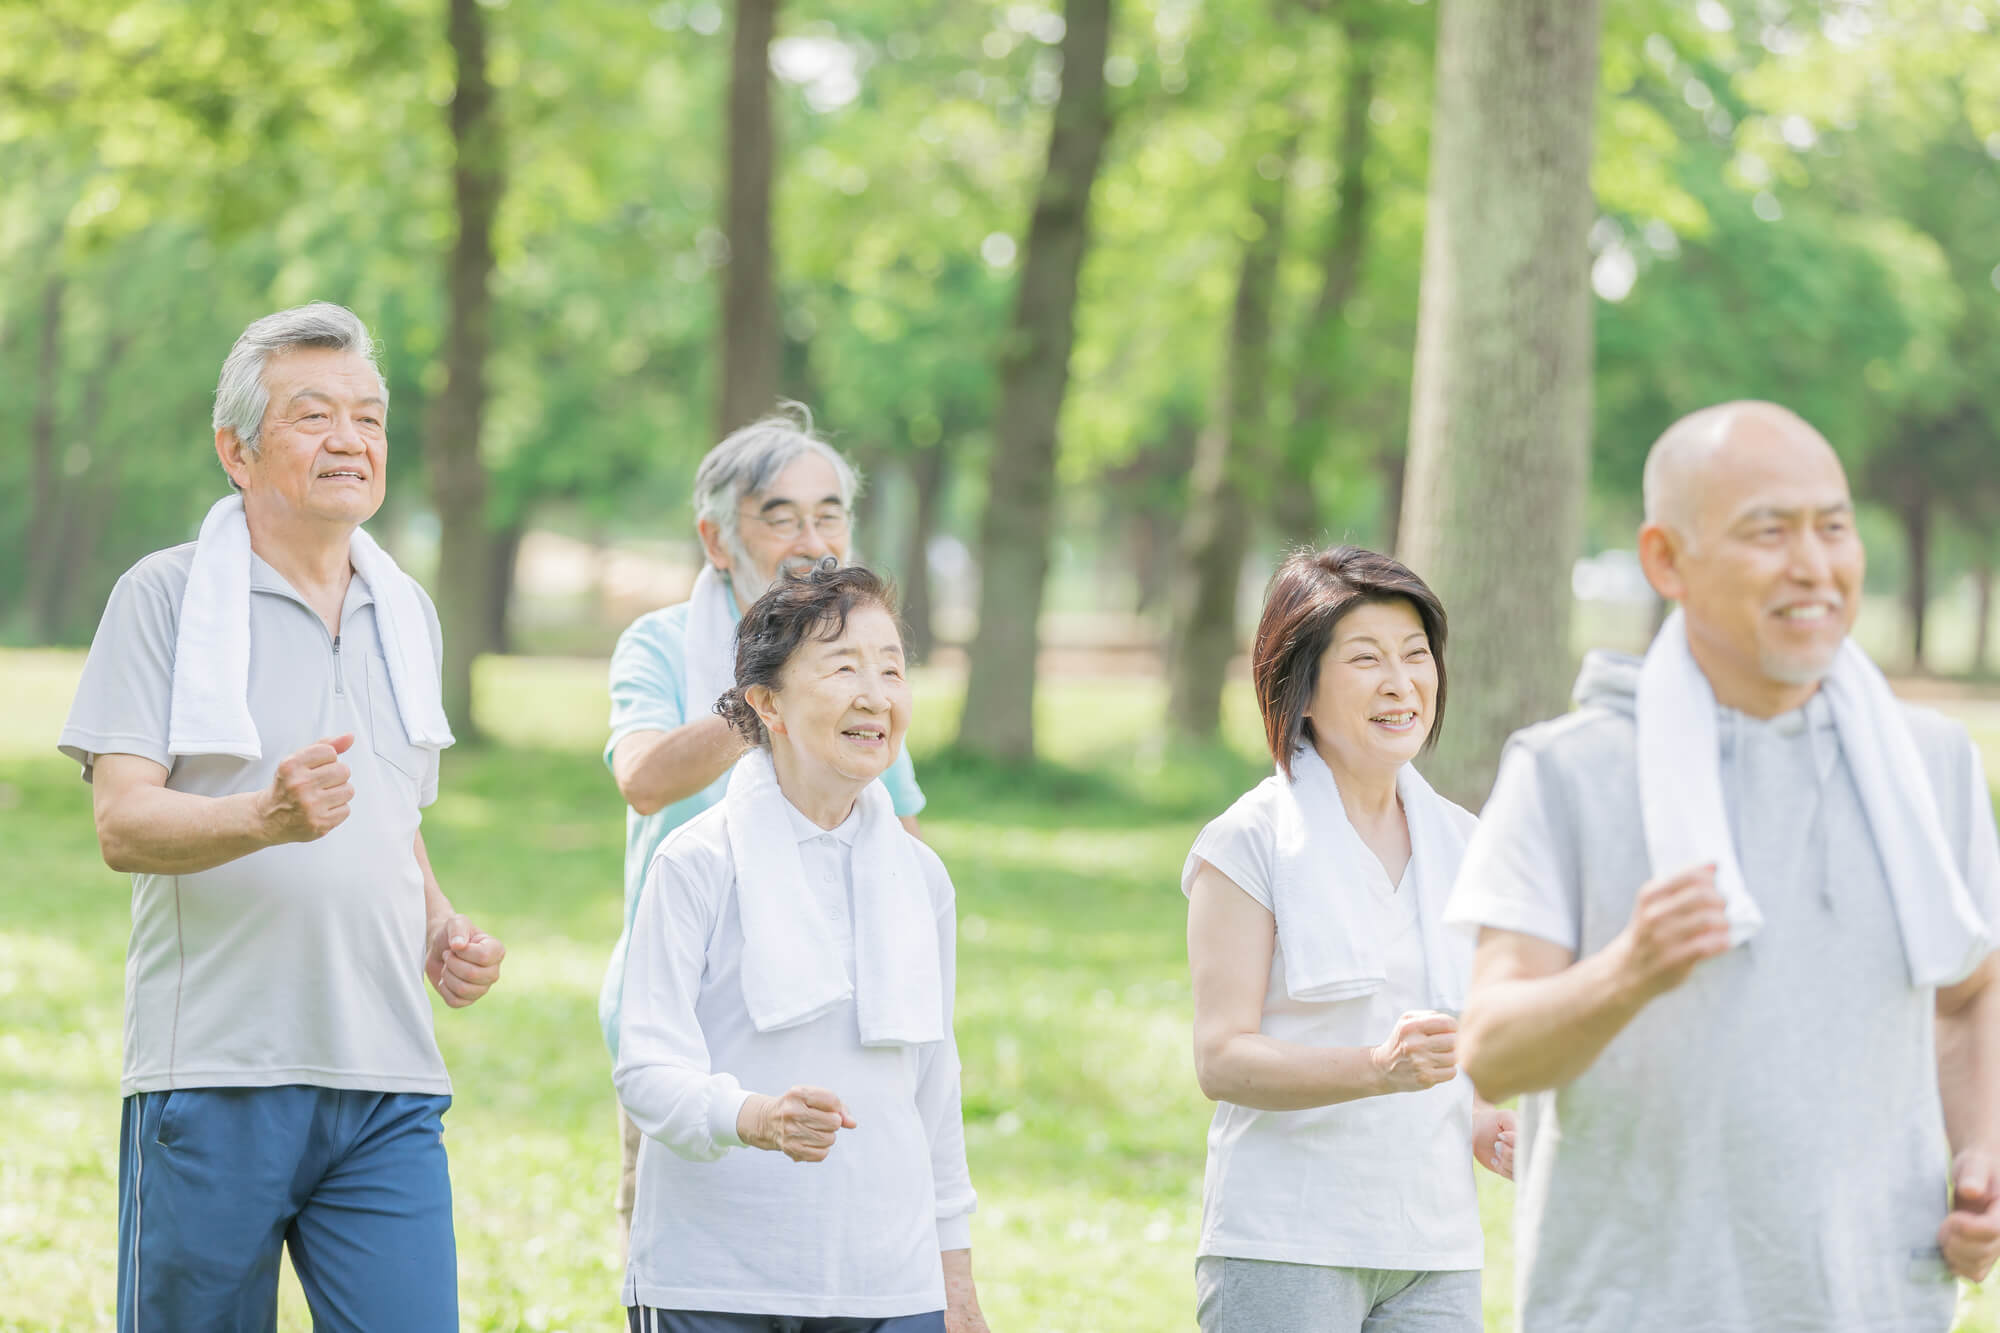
1421,1053
801,1124
1493,1140
961,1302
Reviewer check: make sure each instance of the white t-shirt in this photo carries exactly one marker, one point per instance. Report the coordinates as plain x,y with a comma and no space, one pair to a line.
1382,1182
857,1235
300,963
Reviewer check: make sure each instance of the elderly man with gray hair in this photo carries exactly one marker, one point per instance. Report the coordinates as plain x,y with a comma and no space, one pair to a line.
260,719
771,498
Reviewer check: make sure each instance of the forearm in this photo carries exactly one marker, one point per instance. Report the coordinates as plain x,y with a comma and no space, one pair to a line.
156,831
1265,1074
1524,1034
1969,1072
959,1292
656,769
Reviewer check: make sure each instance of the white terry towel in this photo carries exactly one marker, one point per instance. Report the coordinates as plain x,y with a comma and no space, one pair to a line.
211,699
1319,858
1680,796
709,666
792,972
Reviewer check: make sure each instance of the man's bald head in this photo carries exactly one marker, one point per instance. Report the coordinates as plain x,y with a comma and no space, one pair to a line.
1750,527
1681,461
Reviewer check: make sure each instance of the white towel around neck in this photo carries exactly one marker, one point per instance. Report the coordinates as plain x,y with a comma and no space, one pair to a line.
1320,865
1680,796
708,668
792,970
211,691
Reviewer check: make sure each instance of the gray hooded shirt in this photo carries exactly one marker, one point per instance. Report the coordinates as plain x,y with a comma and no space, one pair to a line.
1762,1149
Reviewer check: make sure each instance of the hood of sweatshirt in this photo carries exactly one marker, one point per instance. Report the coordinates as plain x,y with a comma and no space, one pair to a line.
1608,680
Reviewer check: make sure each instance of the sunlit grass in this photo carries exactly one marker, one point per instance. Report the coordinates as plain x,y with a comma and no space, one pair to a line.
1084,1126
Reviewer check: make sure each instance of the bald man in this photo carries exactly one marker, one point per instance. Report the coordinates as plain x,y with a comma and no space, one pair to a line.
1734,940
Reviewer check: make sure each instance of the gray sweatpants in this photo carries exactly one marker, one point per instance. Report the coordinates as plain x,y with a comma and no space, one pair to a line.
1258,1296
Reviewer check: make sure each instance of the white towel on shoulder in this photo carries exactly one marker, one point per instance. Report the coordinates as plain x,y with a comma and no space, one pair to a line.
1321,863
210,712
710,662
792,970
1680,796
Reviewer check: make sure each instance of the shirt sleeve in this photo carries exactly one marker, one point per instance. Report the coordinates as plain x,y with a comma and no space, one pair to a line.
938,1096
1515,876
901,780
647,669
125,696
663,1075
1237,842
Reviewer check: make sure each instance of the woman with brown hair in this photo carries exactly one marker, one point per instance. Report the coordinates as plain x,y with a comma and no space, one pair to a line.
1339,1191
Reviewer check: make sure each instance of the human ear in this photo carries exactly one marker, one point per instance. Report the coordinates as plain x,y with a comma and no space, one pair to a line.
234,454
711,544
1661,551
764,700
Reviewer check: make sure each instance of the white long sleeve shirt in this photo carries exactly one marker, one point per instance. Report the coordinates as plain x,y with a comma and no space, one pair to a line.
856,1235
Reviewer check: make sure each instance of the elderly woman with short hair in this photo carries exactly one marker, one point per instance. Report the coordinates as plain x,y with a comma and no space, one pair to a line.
787,1038
1339,1194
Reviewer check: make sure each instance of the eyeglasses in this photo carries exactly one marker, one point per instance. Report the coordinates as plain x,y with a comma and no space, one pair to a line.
789,523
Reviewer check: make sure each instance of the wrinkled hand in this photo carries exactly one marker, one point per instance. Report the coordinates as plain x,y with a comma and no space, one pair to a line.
1421,1053
1493,1141
1678,921
462,962
1970,1236
309,794
801,1124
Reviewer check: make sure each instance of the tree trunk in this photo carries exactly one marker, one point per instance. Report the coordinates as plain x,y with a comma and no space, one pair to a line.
1229,457
927,474
457,415
42,518
1916,515
78,509
1500,404
1034,374
749,292
1392,466
504,550
1297,511
1982,613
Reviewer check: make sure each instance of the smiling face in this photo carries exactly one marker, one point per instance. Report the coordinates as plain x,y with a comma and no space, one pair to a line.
1766,563
1372,707
788,526
842,705
323,450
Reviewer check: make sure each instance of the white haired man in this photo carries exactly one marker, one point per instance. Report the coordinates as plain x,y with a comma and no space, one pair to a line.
1737,920
260,719
771,498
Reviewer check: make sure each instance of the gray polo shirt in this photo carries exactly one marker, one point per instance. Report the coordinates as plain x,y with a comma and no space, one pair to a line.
300,963
1761,1150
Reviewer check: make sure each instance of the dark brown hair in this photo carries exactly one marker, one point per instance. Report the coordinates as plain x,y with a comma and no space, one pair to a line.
1310,595
813,605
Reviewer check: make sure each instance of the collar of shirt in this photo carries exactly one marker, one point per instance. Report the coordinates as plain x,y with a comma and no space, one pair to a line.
804,830
1813,719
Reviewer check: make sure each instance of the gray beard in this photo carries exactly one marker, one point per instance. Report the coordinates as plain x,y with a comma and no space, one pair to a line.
747,584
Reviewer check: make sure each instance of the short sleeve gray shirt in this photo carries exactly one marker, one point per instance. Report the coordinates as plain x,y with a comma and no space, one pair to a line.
299,963
1762,1149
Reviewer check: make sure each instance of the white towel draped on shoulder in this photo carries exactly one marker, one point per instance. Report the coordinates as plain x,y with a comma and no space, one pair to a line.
792,971
1321,864
211,692
710,663
1680,795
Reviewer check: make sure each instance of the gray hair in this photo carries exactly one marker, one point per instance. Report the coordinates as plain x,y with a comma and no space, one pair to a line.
240,395
750,459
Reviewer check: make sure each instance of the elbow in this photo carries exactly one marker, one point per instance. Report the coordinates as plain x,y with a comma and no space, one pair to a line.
1208,1063
116,852
1476,1062
643,801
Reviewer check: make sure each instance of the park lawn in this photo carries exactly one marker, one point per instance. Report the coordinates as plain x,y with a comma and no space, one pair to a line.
1084,1126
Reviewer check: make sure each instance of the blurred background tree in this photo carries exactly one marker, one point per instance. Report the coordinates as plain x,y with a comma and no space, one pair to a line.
1112,307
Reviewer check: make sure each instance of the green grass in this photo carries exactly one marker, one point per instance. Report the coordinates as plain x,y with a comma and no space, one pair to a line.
1083,1123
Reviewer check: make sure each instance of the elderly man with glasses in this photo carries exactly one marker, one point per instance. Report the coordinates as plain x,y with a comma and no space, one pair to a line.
770,499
